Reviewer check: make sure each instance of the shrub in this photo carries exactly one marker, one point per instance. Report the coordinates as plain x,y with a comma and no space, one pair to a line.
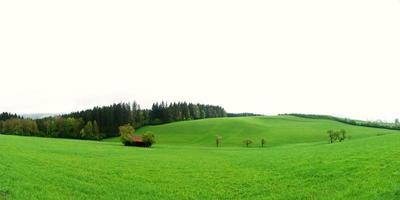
126,132
337,135
330,135
342,135
148,139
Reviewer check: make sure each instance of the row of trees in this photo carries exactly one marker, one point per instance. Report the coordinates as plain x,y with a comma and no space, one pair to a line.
241,114
52,127
17,126
111,117
247,142
4,116
164,113
103,122
373,124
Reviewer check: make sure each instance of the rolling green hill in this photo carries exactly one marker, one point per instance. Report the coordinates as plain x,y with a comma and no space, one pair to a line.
298,164
277,130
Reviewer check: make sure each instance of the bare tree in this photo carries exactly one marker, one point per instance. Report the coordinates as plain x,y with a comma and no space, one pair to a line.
218,140
263,142
247,142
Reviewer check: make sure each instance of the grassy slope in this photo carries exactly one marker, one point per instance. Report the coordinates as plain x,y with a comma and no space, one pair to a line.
276,130
183,165
43,168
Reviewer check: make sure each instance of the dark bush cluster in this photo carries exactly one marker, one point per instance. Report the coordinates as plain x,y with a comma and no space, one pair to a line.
148,139
334,136
128,138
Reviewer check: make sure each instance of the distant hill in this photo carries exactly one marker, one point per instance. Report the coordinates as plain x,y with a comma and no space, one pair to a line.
276,130
39,115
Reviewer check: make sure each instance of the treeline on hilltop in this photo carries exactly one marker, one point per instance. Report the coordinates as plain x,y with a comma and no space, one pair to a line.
5,116
51,127
372,124
103,122
111,117
164,113
242,114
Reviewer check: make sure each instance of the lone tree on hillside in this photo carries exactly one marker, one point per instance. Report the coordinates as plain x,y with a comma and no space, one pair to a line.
337,135
342,135
218,140
263,142
148,139
331,136
126,133
247,142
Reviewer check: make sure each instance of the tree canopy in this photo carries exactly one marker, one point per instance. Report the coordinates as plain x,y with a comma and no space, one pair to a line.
103,122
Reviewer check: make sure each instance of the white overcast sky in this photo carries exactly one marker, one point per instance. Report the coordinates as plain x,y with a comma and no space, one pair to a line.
339,57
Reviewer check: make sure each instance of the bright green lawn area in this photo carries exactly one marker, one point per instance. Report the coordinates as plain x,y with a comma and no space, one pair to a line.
297,164
42,168
277,130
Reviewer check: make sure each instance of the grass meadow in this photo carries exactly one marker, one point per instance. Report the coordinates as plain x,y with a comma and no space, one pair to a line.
297,163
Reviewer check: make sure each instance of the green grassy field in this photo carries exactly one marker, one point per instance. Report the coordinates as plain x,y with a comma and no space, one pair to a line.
297,164
277,130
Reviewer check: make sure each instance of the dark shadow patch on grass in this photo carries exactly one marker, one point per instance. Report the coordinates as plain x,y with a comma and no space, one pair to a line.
4,195
397,193
394,194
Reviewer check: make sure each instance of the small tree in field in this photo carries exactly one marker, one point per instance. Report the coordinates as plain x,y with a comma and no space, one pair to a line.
342,135
263,142
218,140
148,139
337,135
247,142
126,132
331,136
